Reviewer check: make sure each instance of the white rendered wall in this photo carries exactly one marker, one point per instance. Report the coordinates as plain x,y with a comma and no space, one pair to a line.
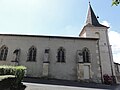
104,46
67,70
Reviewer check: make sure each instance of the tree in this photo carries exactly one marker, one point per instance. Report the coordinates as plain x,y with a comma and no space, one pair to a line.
115,2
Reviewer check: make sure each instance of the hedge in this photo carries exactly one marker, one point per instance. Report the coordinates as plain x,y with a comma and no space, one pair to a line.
6,76
17,71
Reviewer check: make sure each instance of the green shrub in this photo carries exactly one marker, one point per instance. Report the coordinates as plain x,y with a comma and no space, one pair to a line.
7,70
17,71
6,76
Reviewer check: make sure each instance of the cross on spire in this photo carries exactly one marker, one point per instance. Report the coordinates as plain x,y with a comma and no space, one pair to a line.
89,1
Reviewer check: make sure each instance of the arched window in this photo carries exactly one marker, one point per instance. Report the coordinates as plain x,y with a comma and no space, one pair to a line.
86,55
32,53
61,55
3,52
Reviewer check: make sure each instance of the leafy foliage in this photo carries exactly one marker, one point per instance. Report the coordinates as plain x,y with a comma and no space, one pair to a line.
115,2
17,71
6,76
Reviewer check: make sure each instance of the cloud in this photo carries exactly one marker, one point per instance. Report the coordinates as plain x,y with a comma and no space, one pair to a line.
105,23
114,37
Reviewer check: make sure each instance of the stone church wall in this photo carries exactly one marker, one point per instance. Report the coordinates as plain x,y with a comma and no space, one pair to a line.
105,48
59,70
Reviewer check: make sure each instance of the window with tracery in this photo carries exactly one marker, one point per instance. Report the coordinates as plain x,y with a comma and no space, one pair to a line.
32,54
61,55
86,55
3,52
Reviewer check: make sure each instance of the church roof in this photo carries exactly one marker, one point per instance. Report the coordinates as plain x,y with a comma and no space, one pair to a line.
92,19
50,37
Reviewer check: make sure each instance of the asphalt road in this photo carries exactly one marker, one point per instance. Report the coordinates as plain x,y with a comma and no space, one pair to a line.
39,84
33,86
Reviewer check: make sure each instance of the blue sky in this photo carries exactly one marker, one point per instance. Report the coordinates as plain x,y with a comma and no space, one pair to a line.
58,17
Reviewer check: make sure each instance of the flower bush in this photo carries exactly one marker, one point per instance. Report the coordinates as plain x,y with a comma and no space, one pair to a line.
107,79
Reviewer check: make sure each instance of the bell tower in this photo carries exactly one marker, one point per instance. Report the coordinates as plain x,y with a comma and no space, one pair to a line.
93,29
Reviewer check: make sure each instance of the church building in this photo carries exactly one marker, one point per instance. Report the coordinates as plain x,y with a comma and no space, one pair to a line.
84,58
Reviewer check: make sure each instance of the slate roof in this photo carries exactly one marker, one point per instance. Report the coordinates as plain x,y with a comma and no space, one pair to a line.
92,19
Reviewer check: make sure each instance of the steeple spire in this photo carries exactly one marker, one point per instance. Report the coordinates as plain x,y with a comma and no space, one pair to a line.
91,18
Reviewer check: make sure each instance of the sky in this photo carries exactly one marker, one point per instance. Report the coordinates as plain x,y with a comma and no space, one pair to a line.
58,18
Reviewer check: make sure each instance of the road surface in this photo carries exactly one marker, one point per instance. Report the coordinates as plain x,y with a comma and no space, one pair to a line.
34,86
